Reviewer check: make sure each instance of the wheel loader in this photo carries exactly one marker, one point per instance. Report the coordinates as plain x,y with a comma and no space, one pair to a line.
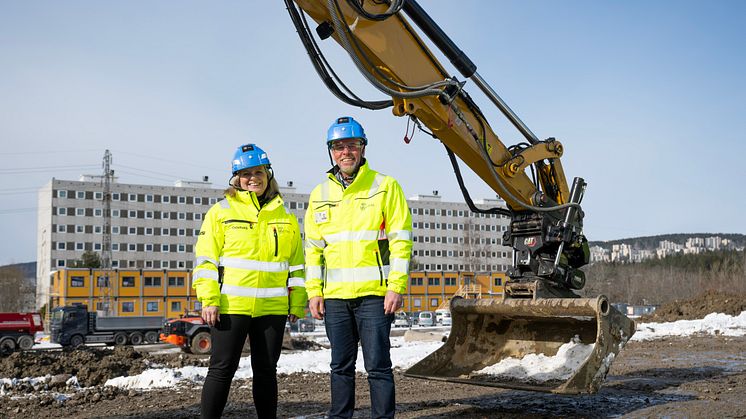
540,312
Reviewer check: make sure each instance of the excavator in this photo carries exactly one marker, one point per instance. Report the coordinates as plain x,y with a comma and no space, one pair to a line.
540,311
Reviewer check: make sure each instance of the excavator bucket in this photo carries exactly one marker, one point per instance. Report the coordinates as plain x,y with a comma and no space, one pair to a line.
492,341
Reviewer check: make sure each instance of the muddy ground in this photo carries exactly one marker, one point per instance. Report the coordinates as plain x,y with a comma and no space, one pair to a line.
697,377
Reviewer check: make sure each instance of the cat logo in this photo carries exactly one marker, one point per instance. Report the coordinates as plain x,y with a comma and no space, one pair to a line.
530,241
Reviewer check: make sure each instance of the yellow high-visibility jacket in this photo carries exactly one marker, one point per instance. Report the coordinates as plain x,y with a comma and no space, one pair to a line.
358,239
250,259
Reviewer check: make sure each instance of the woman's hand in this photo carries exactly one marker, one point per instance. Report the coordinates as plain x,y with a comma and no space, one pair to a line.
211,315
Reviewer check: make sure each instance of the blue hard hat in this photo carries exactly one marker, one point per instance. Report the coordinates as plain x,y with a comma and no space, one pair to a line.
249,155
345,127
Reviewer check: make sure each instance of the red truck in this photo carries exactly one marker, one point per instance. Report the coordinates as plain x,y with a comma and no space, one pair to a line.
17,330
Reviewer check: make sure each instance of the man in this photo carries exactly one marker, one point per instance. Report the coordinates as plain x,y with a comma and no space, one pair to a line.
358,232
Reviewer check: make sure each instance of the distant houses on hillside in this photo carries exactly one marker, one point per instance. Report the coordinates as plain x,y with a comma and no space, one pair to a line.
625,253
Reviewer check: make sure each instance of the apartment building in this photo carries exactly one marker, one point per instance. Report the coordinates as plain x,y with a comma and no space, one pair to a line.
153,227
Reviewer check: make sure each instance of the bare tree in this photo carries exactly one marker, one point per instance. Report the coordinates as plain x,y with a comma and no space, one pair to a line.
16,292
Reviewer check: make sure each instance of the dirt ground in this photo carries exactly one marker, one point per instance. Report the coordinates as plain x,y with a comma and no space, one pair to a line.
698,377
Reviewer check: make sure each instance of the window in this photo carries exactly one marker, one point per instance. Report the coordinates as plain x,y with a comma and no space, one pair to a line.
128,307
132,214
132,247
97,246
182,232
132,197
115,264
175,305
182,200
164,264
148,247
80,195
97,229
149,215
197,200
149,264
166,199
182,216
181,248
164,248
175,281
164,215
417,302
128,281
77,281
115,247
433,281
132,231
198,216
433,302
61,194
213,201
148,231
151,306
79,229
80,212
498,281
152,281
450,281
149,198
61,211
61,228
79,246
115,196
416,281
98,196
60,263
197,306
60,245
115,213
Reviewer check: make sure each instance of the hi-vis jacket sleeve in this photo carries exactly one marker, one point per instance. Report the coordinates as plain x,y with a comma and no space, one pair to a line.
314,254
399,233
296,280
207,250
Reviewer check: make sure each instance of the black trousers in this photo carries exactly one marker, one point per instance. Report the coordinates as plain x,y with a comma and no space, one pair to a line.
265,338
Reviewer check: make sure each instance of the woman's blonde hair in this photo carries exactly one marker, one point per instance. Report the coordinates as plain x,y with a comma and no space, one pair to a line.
273,189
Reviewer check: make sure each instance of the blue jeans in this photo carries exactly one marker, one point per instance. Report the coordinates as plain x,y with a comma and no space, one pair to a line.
347,322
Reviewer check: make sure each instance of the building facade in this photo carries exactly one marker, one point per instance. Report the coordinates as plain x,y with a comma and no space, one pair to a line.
153,228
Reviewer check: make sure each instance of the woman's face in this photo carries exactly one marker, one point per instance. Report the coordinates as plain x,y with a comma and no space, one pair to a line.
253,179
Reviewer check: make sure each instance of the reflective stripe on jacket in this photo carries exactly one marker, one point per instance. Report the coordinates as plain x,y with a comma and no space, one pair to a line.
260,253
358,239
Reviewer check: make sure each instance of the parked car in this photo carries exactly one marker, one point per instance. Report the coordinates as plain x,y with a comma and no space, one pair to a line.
445,319
402,320
426,319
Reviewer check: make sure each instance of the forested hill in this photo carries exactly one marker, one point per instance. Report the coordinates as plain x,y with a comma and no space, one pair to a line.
651,242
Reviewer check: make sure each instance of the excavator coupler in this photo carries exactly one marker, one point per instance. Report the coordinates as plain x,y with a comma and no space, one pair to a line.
556,345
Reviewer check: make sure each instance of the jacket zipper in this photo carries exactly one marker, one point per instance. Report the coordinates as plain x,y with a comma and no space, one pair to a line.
274,230
380,270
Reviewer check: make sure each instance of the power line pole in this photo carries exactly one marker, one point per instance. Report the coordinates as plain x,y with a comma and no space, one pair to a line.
104,282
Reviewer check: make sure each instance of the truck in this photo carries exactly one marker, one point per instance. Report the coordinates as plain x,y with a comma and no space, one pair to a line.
74,326
17,330
191,333
540,308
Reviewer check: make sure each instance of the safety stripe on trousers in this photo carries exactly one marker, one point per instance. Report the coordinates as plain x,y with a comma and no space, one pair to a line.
239,291
254,265
365,274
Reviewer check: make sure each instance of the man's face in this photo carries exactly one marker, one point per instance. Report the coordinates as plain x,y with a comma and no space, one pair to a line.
348,154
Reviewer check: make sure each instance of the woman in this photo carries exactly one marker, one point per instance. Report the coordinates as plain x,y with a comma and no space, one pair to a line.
249,279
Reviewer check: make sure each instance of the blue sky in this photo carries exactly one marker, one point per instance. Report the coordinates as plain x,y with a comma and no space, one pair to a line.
647,98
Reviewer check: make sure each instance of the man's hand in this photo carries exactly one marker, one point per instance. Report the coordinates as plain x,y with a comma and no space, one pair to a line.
316,305
211,315
392,302
292,318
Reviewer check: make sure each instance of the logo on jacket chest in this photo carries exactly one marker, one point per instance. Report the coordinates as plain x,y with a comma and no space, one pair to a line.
365,205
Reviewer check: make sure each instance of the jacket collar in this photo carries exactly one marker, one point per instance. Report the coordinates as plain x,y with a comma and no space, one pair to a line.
362,172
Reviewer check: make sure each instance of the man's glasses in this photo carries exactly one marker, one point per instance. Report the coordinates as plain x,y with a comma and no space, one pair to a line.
353,146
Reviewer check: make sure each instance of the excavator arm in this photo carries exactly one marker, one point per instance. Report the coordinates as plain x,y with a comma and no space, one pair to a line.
546,218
